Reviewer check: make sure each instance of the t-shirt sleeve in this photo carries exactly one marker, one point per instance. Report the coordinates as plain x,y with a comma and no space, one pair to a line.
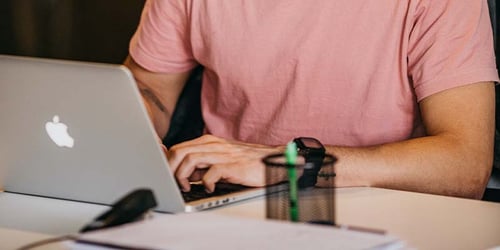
450,45
161,41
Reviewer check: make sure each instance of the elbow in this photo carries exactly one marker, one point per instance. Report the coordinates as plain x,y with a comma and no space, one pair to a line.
480,183
473,165
474,181
476,188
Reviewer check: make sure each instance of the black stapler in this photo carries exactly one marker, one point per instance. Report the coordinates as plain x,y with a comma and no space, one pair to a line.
131,207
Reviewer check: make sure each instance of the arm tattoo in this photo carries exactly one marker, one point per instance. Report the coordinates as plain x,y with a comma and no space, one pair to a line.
148,94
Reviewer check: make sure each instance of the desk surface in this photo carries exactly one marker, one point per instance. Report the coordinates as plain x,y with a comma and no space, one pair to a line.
423,221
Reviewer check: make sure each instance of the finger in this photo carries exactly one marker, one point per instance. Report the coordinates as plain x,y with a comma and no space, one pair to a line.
225,172
239,172
164,148
177,155
195,161
215,174
197,175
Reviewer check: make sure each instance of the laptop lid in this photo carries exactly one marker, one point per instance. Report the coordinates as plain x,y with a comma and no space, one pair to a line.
79,131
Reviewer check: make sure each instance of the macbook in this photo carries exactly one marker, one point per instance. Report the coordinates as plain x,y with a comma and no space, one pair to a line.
79,131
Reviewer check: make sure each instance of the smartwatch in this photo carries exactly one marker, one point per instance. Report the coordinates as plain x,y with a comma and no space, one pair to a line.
313,152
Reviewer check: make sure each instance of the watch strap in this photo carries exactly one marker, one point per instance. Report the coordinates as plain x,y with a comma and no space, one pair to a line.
310,174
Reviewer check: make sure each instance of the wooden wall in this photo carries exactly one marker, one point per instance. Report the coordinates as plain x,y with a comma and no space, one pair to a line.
85,30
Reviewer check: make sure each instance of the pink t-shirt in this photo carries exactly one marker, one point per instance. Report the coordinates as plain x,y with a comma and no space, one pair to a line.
348,72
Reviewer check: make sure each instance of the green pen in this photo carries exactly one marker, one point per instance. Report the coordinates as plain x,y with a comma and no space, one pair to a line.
291,159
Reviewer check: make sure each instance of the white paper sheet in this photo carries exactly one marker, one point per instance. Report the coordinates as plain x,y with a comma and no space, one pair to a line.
213,231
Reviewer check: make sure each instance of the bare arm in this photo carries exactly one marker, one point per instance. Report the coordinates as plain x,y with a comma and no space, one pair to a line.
160,92
454,159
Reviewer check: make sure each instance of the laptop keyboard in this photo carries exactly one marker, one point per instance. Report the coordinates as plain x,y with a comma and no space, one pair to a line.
198,191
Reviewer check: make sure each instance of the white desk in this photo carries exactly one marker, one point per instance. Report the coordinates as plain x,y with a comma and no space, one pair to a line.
423,221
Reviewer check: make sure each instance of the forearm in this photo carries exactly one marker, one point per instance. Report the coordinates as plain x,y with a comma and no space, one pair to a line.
433,164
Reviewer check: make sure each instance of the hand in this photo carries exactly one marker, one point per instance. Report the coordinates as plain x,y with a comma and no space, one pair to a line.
163,147
211,159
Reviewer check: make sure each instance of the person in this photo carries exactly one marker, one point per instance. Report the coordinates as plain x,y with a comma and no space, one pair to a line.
401,92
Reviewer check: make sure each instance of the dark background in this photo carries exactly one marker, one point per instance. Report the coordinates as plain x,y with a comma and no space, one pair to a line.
83,30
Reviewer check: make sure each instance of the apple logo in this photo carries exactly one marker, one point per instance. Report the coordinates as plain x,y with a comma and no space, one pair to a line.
58,132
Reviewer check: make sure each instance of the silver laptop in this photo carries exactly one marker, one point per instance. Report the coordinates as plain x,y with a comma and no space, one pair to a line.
79,131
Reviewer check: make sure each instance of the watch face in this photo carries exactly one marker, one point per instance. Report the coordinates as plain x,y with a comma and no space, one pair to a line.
311,143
